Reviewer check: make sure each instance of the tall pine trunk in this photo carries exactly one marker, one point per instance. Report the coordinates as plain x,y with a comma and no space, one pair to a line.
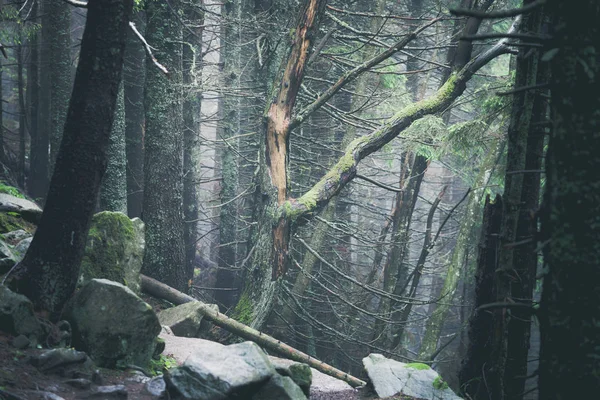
570,307
164,257
134,76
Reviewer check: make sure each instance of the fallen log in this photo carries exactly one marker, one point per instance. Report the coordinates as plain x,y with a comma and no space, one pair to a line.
157,289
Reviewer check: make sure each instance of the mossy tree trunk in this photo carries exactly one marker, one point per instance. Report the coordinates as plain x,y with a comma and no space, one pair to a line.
164,257
435,323
50,269
570,305
113,193
134,76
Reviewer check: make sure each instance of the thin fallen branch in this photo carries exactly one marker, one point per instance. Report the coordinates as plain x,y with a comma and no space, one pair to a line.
158,289
148,49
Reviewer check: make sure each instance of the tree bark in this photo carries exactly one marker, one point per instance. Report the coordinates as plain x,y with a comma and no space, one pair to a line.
56,35
134,77
164,256
113,192
50,269
475,369
192,58
570,305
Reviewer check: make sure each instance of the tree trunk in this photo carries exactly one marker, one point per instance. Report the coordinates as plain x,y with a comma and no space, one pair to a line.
113,192
269,259
192,58
50,269
57,42
134,77
164,256
513,213
435,323
475,370
570,306
526,254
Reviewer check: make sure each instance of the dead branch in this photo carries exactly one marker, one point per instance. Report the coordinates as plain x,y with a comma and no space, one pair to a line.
148,49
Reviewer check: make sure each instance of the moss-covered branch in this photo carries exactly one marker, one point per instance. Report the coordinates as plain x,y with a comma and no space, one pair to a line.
345,169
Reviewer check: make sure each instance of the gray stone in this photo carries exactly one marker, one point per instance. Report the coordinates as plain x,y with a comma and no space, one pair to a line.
280,388
219,373
64,362
79,383
7,258
300,373
20,342
108,392
16,315
112,324
183,320
14,237
21,248
390,377
114,250
157,387
28,210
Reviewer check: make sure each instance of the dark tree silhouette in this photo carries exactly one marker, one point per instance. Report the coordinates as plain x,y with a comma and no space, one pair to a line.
570,306
48,274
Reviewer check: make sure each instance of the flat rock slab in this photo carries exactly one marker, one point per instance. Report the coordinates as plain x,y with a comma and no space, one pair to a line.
390,377
181,348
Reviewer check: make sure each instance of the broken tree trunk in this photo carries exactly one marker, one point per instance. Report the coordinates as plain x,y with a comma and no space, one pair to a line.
158,289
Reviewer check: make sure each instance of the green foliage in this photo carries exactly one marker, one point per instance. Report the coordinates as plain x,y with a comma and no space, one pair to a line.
164,362
418,366
439,383
13,191
244,312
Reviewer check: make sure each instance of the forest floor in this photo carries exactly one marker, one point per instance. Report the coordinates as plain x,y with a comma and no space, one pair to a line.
20,380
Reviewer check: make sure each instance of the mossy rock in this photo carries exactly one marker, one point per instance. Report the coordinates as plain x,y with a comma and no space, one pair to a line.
114,250
12,221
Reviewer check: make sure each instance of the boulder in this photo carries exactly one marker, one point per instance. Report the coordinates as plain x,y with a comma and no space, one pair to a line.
280,388
7,257
220,373
184,320
14,237
17,317
114,250
300,373
112,324
390,377
27,209
21,248
63,362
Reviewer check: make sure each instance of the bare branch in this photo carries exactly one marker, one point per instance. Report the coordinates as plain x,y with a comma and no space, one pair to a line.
77,3
381,185
148,49
355,73
497,14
